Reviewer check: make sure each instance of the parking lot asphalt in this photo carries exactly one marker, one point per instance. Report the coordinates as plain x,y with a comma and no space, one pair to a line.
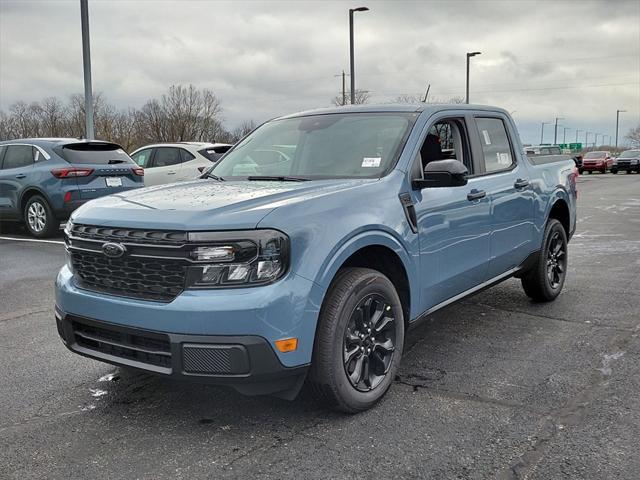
492,387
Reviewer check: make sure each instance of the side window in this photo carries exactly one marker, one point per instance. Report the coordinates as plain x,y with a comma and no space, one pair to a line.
166,156
186,156
142,158
495,144
18,156
544,151
447,139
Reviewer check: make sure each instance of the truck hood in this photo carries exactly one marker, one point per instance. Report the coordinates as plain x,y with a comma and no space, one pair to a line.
203,204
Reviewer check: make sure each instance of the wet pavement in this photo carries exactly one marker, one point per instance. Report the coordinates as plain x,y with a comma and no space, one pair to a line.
493,387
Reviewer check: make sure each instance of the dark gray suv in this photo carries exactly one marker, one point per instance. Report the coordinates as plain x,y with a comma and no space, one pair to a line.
42,180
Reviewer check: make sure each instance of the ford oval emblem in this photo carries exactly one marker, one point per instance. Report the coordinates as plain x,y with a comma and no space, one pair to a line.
113,250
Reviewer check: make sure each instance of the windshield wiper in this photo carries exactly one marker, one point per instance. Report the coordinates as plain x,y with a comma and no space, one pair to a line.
278,178
215,177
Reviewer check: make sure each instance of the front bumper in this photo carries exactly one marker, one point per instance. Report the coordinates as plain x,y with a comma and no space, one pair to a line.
246,362
288,308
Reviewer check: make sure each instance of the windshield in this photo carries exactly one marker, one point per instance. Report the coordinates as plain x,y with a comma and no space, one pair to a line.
630,154
595,155
344,145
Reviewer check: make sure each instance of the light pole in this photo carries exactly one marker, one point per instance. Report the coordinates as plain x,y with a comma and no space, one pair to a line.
351,64
595,140
577,131
555,135
618,112
86,64
469,55
542,132
564,135
586,139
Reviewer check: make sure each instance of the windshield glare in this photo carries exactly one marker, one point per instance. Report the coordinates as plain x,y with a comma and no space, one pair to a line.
344,145
595,155
630,154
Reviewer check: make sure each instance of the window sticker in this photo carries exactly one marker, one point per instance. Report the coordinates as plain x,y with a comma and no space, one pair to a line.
487,139
369,162
503,158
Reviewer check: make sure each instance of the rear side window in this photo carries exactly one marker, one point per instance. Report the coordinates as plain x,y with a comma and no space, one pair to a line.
166,157
18,156
214,153
186,156
495,144
142,158
96,153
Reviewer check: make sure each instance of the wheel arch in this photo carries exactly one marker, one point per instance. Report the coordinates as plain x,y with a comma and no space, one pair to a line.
27,194
382,252
559,210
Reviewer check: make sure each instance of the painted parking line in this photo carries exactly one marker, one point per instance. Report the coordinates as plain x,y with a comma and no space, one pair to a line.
32,240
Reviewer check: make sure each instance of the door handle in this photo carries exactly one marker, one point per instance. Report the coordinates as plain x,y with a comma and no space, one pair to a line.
20,175
476,195
171,173
521,183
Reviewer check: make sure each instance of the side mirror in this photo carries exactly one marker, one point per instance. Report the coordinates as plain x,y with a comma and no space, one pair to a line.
442,173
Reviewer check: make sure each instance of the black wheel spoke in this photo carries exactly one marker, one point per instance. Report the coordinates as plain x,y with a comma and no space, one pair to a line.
369,342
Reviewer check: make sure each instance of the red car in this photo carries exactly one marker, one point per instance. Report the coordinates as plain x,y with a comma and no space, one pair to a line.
600,161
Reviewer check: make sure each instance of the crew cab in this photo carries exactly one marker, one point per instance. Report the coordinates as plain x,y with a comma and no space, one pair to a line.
599,161
312,247
42,180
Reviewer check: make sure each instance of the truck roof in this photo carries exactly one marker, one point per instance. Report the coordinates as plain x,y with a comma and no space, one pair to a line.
394,107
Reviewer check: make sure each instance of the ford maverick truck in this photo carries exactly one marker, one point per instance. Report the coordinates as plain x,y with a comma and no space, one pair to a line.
307,252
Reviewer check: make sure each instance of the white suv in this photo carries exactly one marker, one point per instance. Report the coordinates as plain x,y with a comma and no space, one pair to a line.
177,162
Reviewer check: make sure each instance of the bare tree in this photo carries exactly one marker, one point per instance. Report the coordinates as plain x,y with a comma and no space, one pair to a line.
361,97
241,130
634,137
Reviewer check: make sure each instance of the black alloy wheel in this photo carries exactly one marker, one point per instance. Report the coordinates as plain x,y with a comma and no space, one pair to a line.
556,260
369,342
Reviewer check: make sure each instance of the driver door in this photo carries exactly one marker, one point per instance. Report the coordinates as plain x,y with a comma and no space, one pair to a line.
453,223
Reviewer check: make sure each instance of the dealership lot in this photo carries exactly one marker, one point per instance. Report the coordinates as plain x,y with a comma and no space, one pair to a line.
492,387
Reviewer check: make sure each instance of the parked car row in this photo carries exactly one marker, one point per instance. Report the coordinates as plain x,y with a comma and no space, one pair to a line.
597,161
43,180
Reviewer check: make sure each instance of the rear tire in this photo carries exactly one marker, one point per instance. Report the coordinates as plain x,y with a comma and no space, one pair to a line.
544,282
39,218
351,369
614,171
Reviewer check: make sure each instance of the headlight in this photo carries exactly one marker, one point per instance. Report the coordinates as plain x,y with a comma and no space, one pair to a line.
242,258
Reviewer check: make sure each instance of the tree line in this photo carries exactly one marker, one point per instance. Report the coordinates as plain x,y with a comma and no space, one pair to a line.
183,113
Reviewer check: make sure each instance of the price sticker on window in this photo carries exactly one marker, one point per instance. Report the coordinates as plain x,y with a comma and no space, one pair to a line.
371,162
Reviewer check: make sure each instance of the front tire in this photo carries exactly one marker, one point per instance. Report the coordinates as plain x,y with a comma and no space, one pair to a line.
359,341
39,218
544,282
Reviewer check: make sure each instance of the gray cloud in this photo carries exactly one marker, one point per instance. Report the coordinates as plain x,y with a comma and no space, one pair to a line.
579,60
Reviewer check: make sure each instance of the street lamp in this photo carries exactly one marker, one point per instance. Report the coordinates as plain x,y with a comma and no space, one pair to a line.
86,65
618,112
586,139
555,135
469,55
352,68
578,131
542,132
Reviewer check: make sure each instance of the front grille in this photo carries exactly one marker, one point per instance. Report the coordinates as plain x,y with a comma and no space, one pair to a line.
146,278
130,344
153,267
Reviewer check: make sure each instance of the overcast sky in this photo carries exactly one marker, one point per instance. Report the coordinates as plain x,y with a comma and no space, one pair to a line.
574,59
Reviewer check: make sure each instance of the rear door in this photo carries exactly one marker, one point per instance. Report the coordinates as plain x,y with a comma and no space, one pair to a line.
165,166
99,168
15,172
507,184
189,166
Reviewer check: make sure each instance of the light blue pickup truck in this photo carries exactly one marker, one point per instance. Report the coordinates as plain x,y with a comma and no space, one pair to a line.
310,249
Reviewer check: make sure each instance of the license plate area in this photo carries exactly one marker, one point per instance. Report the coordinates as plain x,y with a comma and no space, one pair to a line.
113,181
